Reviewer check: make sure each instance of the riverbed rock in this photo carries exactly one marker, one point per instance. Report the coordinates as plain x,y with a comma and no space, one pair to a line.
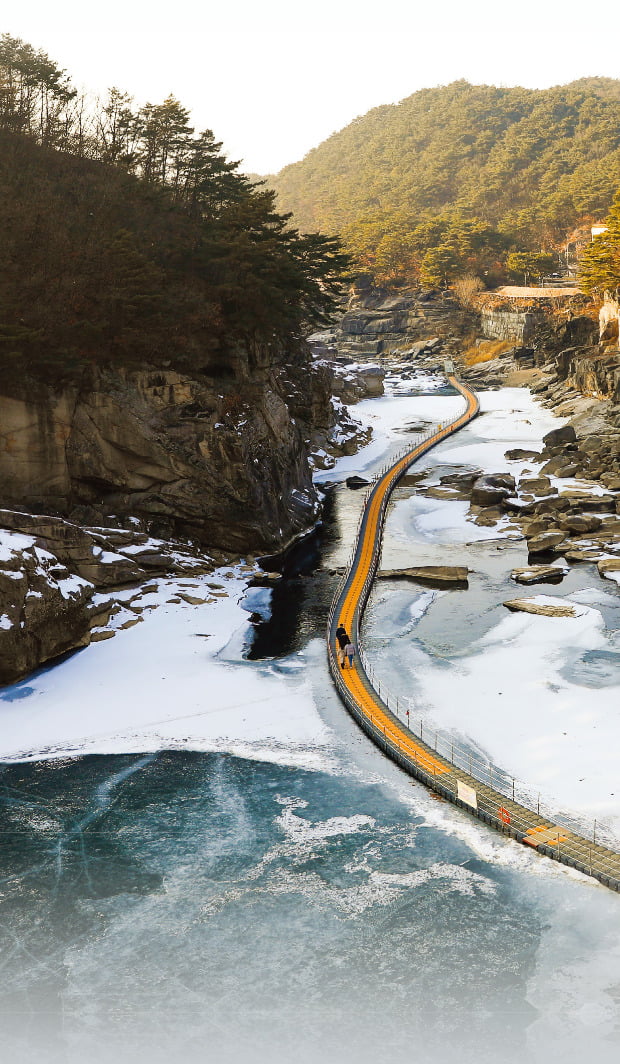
610,568
564,434
265,579
357,482
579,523
521,454
440,575
540,574
539,486
488,517
542,606
545,541
492,488
463,481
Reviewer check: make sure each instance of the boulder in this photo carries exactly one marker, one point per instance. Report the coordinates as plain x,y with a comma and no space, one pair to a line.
585,500
264,580
492,488
355,482
579,523
441,492
545,541
561,467
539,486
565,434
462,481
488,517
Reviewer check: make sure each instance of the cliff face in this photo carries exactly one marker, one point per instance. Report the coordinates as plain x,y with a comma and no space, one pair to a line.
220,458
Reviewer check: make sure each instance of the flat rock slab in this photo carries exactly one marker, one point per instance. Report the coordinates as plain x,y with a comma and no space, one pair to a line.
543,607
540,574
442,575
609,568
520,454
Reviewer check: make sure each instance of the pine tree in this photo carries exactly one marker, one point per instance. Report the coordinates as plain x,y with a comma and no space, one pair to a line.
600,264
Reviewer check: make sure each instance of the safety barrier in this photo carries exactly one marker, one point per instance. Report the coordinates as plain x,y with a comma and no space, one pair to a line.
445,766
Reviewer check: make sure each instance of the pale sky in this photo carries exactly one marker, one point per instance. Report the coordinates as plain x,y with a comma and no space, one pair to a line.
272,78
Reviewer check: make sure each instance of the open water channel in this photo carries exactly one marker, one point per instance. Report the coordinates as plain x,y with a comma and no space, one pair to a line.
201,907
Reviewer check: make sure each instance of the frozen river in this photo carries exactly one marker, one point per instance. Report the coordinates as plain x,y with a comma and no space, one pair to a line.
205,861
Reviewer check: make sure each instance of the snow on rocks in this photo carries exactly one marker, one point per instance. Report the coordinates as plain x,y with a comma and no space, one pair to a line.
49,570
44,606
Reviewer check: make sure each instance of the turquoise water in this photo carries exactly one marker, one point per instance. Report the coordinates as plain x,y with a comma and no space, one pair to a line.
192,907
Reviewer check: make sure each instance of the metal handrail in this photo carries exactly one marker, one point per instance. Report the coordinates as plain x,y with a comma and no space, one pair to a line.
516,817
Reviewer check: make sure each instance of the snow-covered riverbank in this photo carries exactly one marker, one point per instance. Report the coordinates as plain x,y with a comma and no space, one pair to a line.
538,696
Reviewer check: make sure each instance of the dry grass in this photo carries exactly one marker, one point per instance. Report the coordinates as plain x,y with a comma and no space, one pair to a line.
486,351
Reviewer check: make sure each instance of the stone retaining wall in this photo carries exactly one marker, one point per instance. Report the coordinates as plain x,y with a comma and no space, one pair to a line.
519,325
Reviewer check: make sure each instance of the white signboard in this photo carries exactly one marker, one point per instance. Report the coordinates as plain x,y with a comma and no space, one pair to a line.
466,793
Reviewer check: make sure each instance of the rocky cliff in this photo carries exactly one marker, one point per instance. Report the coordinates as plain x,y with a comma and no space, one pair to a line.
221,458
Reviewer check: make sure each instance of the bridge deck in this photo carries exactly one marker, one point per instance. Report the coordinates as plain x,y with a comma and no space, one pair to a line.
394,735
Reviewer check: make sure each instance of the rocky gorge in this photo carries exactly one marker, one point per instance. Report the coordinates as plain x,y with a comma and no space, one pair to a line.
129,474
132,475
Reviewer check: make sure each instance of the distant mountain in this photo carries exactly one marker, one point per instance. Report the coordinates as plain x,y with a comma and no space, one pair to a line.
530,163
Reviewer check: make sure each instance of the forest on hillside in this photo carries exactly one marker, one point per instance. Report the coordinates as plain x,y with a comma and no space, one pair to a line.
127,236
459,178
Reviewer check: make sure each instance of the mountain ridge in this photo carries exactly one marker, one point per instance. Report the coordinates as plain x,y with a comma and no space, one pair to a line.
533,163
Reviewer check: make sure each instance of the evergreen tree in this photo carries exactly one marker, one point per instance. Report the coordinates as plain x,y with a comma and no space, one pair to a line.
600,263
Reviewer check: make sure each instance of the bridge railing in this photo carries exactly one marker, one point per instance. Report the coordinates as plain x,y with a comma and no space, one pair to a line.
472,762
457,753
510,818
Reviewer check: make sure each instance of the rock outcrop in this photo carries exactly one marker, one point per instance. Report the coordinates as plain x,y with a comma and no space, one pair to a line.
43,607
58,582
222,458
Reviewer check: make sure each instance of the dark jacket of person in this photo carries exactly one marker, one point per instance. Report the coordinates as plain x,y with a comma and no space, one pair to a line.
342,637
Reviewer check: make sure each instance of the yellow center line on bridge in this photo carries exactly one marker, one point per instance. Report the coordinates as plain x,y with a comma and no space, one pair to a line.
396,738
365,698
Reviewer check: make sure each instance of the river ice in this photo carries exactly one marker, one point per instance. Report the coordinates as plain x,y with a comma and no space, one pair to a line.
205,861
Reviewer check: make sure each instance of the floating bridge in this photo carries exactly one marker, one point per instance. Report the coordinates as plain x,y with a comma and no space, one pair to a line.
444,766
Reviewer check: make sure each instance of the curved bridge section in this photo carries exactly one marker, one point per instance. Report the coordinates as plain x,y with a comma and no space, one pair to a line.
487,794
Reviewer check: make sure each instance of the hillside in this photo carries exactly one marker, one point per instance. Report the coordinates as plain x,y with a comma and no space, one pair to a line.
153,306
531,164
128,236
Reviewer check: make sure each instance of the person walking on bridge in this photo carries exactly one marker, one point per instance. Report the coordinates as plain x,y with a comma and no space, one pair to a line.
349,652
342,640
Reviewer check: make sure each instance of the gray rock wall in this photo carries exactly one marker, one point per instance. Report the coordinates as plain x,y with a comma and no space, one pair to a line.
511,325
223,461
